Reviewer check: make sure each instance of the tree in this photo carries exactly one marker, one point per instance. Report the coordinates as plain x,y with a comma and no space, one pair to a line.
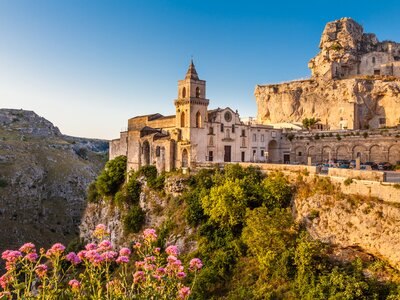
112,176
309,123
226,203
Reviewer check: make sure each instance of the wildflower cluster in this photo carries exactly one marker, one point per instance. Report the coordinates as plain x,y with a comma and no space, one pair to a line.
98,272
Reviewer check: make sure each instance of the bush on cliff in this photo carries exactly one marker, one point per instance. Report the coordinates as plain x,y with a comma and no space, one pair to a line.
112,177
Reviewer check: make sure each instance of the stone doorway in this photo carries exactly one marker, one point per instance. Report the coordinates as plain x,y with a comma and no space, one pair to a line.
227,154
146,153
185,158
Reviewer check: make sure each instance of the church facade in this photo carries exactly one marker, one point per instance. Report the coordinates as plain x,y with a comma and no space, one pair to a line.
195,134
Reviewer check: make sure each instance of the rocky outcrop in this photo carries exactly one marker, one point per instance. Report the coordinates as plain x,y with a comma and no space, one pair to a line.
43,180
159,208
365,224
348,103
355,83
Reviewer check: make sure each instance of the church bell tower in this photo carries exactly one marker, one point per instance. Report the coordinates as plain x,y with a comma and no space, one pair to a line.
191,114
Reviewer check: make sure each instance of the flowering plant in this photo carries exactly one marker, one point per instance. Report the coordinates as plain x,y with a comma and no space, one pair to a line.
97,272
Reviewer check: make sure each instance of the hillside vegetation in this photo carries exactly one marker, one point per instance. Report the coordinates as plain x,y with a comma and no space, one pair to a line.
240,223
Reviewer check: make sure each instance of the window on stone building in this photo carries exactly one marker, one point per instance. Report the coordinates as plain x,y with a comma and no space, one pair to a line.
373,60
243,132
183,119
382,121
211,130
222,127
183,92
210,156
299,154
233,128
198,119
158,151
262,138
254,137
377,72
211,142
262,153
243,156
197,92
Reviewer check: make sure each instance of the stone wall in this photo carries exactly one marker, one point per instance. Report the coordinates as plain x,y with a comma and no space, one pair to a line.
358,174
369,145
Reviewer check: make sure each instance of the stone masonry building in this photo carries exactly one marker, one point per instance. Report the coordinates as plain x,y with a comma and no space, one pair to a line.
195,134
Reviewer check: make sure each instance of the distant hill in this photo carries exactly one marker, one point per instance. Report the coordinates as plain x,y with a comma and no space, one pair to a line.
43,179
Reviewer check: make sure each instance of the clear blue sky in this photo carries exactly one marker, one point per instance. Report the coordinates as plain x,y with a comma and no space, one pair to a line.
89,65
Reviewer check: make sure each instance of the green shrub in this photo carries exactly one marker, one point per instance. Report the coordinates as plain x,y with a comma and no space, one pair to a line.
3,183
134,219
276,191
92,193
112,177
348,181
133,188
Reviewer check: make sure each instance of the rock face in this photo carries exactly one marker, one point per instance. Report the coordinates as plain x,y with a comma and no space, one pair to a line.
355,83
43,179
371,226
159,210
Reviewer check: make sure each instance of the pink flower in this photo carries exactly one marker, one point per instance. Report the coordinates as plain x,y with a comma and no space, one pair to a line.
124,252
139,264
91,246
32,257
82,254
149,267
122,260
157,250
11,256
195,264
149,259
171,259
109,255
5,280
41,270
172,250
105,245
181,275
138,276
73,258
27,248
5,254
150,235
55,250
160,271
184,292
75,284
100,231
137,245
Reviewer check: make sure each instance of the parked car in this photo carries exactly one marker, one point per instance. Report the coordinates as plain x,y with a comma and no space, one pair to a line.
365,168
384,166
374,166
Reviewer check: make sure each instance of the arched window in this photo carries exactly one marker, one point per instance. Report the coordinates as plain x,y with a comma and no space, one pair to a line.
183,92
373,60
197,92
198,119
183,119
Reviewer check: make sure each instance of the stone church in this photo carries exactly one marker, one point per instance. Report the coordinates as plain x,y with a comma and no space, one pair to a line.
195,134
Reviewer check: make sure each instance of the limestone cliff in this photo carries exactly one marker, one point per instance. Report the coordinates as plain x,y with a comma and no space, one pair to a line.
355,83
43,179
347,103
365,224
